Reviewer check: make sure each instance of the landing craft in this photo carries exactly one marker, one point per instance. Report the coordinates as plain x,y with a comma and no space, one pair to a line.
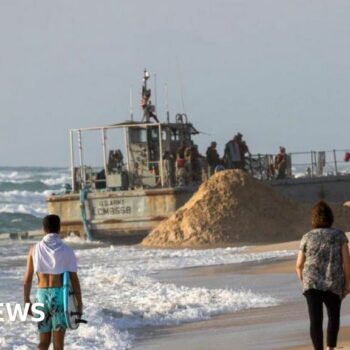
137,186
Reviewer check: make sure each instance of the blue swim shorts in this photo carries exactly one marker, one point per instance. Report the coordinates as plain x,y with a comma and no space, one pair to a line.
54,320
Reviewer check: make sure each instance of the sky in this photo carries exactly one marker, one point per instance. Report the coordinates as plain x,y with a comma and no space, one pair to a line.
278,71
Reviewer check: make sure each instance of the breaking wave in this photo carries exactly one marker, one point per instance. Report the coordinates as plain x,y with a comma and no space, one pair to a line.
23,193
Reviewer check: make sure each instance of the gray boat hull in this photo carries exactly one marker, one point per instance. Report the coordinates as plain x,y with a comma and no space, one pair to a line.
126,216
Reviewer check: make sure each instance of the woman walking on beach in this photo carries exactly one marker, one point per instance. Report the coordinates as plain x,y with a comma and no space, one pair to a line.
323,266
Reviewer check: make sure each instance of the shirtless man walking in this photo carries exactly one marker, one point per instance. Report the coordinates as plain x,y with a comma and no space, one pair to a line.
49,259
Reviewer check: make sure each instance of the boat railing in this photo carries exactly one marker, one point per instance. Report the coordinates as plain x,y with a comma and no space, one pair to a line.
301,164
162,172
80,178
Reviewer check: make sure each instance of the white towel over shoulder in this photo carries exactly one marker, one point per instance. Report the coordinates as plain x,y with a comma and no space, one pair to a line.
52,256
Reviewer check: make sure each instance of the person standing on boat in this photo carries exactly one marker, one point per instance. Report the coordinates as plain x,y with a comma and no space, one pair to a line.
192,161
323,267
149,110
49,259
213,157
181,171
232,155
281,163
180,156
235,152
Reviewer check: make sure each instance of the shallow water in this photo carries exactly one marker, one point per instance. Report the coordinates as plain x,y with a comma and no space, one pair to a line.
124,296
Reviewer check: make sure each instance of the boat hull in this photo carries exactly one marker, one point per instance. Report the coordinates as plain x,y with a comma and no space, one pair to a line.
334,189
125,216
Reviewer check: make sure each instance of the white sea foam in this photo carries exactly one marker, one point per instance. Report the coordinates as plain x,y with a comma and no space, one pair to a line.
22,176
13,176
56,181
140,301
36,209
152,260
18,196
29,198
16,220
75,240
24,202
121,294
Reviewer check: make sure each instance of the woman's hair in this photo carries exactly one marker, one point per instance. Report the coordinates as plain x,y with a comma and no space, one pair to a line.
322,215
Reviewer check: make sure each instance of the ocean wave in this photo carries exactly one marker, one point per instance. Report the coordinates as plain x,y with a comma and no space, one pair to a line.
152,260
47,176
34,185
24,202
20,195
78,241
142,301
34,210
14,176
23,193
56,181
19,222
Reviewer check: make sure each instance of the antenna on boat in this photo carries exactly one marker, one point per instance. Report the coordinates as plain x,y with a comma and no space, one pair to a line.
155,93
131,105
167,103
180,84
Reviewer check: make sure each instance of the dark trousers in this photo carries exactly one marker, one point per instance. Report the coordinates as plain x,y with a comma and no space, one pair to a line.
315,300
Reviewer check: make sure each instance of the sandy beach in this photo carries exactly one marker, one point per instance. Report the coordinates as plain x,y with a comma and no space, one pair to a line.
280,327
343,343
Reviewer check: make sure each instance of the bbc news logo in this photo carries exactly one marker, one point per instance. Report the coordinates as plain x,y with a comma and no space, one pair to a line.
18,312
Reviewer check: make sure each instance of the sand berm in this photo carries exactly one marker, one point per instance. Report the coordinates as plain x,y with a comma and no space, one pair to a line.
234,208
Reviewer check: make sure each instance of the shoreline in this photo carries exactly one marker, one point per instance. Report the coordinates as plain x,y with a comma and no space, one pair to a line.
284,326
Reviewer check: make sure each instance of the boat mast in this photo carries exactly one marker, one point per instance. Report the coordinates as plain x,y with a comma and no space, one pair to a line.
71,144
131,109
155,94
82,169
167,104
104,149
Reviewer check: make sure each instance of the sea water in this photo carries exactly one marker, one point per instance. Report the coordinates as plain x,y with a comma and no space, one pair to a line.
23,191
122,295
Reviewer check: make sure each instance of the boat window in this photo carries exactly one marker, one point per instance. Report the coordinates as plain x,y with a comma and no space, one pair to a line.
138,135
174,135
164,135
154,134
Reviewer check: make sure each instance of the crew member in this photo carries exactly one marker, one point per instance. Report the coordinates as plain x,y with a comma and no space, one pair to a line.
192,161
181,171
281,163
235,152
195,163
213,157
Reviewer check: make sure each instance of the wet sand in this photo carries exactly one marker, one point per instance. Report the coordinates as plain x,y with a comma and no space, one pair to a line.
343,343
274,328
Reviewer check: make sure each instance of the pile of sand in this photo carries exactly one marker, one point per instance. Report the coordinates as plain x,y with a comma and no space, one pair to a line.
233,207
